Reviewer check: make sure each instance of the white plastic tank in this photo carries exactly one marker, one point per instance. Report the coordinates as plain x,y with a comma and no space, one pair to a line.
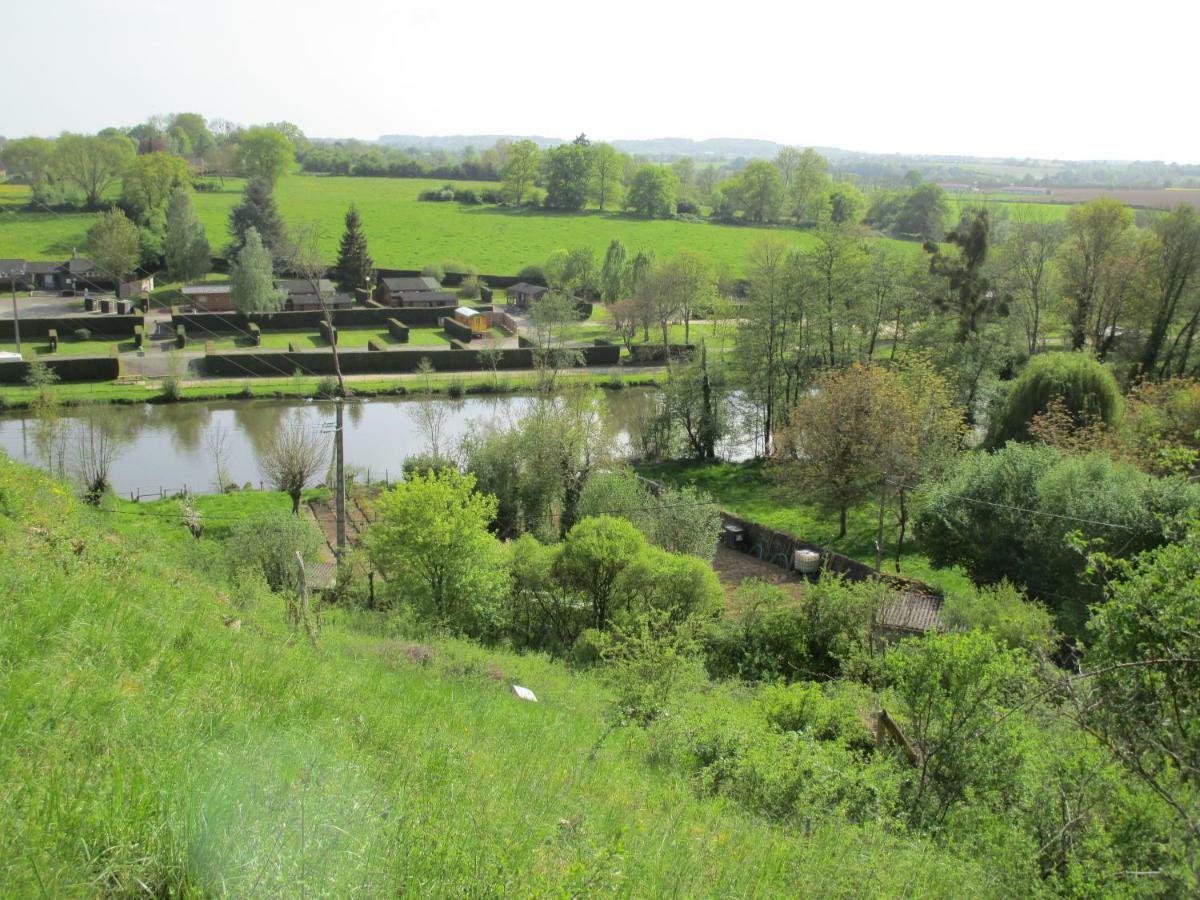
806,562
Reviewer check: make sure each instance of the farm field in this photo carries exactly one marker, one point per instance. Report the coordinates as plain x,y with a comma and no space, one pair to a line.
406,233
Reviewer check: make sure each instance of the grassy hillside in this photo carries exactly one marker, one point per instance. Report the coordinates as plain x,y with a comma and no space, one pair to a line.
150,747
405,232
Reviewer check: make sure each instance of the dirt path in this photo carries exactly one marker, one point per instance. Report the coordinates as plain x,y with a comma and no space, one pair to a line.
733,568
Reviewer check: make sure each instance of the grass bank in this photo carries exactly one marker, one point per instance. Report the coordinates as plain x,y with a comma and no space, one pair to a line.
167,733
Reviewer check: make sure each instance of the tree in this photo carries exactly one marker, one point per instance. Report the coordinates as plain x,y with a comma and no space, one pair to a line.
808,187
519,173
606,167
1087,390
149,182
842,441
264,153
257,210
969,293
696,399
923,213
846,203
32,160
652,193
269,542
431,541
614,275
114,245
835,268
354,268
96,448
568,171
594,553
186,247
92,164
761,191
192,126
251,281
295,455
1027,256
1140,694
1174,266
1095,233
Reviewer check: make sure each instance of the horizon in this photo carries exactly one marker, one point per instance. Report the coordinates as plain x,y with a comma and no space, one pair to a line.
1043,82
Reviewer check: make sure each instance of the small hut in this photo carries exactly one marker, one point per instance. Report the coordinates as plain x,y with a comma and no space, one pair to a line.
473,319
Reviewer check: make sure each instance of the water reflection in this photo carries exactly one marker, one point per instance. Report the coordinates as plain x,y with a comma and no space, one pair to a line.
167,445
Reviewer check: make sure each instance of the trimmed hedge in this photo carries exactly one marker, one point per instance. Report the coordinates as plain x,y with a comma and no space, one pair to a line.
308,320
67,368
52,335
330,334
89,304
398,330
456,329
255,334
105,306
644,354
139,336
210,347
456,344
112,326
374,346
180,337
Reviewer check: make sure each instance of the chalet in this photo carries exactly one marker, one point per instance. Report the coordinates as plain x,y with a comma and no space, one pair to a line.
300,295
474,319
423,299
523,293
75,275
130,289
208,297
391,289
12,274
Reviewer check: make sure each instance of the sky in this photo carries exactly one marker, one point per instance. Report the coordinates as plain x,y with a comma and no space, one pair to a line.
1053,79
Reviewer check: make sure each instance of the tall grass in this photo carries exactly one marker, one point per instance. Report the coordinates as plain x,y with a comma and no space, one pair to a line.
165,732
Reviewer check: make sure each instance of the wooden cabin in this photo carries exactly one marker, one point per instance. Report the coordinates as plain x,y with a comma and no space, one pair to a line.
474,319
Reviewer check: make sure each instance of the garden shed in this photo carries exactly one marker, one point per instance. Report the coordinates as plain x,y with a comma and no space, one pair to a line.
474,319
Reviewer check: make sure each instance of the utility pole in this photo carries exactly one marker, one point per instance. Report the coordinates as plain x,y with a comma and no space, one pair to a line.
339,451
16,315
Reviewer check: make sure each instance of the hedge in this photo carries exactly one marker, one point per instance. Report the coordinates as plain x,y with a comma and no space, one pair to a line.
374,346
180,336
139,336
456,344
255,334
53,336
330,334
398,330
457,329
67,368
111,326
308,320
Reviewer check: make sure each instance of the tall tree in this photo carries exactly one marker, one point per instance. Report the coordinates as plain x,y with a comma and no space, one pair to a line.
1174,265
354,268
92,164
149,182
113,244
761,192
521,170
835,266
264,153
1095,232
251,280
808,187
186,245
1027,256
614,276
652,193
193,126
606,174
969,293
923,213
568,171
257,210
31,160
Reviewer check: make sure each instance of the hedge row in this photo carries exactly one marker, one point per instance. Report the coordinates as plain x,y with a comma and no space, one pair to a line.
67,368
111,326
330,334
457,329
139,336
398,330
320,362
255,334
293,320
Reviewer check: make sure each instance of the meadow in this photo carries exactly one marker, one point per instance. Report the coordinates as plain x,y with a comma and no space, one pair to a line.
407,233
166,733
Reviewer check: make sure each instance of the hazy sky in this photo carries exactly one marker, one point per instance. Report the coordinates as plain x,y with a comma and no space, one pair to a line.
1043,79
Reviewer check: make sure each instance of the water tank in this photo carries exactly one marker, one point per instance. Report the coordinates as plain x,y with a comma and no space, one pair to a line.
806,562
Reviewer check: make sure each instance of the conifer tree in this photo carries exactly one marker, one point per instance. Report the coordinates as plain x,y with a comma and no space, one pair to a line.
354,265
257,210
186,246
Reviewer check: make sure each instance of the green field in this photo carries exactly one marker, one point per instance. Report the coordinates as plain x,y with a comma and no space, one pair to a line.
167,734
746,490
406,233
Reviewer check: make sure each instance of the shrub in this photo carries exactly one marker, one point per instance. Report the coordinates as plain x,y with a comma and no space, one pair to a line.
492,196
434,271
422,464
255,334
180,337
443,194
82,334
172,389
470,288
458,268
268,543
1085,387
456,389
807,708
139,336
532,274
327,388
1002,611
685,207
466,195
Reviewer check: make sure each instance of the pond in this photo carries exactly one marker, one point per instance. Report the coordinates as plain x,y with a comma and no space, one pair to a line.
167,447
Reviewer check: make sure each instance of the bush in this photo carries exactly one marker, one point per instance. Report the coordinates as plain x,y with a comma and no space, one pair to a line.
268,543
1084,386
685,207
327,388
456,267
456,389
470,288
82,334
807,708
492,196
444,194
423,464
434,271
180,337
466,195
1002,611
255,334
172,389
532,274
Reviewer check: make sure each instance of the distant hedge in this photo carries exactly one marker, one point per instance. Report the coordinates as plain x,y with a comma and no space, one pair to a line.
67,368
398,330
110,326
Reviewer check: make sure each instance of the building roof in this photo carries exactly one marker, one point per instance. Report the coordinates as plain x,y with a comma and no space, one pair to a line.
304,286
439,298
310,301
201,290
467,311
42,267
80,266
525,287
420,283
12,266
916,613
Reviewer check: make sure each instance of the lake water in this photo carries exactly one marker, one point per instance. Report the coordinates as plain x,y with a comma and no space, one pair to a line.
167,446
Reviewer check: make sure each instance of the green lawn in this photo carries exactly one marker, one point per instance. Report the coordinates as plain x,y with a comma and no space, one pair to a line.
405,232
745,490
69,347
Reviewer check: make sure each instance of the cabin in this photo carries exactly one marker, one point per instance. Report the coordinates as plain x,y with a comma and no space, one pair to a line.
423,299
208,297
300,295
75,275
134,288
474,319
392,290
523,293
12,274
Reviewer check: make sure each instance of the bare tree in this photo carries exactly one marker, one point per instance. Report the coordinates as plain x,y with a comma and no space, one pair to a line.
431,417
295,455
305,259
95,451
216,440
